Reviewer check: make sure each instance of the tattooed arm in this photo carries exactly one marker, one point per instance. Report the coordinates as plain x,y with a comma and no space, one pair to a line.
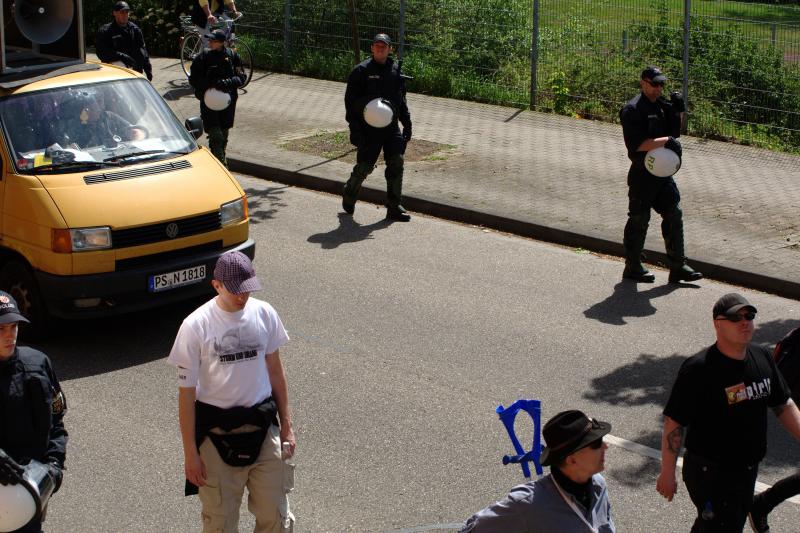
789,417
671,440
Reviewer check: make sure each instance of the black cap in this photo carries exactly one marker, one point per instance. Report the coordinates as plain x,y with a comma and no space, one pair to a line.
383,38
568,432
9,311
731,304
653,74
217,35
122,6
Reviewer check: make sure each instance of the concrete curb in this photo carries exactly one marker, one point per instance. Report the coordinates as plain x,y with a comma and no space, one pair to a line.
719,272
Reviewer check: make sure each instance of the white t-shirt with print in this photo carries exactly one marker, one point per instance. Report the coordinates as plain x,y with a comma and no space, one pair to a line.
223,353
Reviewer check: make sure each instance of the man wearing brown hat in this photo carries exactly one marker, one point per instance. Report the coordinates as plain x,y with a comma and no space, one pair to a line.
122,40
719,404
32,408
572,498
233,403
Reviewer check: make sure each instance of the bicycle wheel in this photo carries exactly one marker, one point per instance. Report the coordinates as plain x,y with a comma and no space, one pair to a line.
192,45
244,51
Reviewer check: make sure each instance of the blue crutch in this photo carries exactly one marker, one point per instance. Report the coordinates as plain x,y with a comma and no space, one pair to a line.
507,416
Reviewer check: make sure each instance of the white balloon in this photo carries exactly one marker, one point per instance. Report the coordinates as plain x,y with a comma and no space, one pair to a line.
662,162
378,113
217,100
17,507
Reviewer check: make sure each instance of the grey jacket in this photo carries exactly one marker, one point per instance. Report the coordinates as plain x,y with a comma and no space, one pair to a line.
537,507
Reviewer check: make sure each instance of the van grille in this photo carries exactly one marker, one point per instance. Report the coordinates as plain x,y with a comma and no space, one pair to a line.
170,166
124,238
158,260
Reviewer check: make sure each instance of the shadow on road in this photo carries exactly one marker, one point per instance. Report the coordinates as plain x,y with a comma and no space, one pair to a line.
262,204
178,89
348,231
628,301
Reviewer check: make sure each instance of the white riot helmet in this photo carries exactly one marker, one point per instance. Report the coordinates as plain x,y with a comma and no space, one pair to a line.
378,113
662,162
216,100
22,502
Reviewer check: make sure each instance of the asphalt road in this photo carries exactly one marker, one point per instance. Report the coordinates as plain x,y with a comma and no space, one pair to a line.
405,337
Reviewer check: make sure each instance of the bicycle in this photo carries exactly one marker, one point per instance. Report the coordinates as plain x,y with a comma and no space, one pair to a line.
192,43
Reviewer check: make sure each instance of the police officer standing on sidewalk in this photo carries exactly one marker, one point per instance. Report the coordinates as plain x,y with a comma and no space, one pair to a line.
377,83
122,40
217,68
32,408
651,121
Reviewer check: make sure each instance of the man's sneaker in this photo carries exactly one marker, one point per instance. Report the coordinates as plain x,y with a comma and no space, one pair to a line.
397,213
684,273
757,517
348,205
638,273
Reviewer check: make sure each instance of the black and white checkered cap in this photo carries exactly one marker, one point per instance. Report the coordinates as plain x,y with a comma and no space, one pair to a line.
236,272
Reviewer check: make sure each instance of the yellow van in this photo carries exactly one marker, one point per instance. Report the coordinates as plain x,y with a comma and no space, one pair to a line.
107,203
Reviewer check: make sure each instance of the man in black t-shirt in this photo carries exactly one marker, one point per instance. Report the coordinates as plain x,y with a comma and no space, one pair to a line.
719,401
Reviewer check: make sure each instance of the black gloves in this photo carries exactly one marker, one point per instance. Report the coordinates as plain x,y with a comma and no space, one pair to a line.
677,101
407,132
10,471
356,137
674,145
224,85
55,472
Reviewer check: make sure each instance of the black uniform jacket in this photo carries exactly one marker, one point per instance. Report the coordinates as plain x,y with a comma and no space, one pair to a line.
123,43
32,408
370,80
219,69
642,119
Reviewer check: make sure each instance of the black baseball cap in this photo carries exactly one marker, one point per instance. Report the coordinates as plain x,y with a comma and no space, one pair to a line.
383,38
122,6
731,304
570,431
217,35
653,74
236,272
9,310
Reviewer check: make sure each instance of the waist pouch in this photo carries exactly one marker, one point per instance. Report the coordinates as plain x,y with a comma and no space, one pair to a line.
239,449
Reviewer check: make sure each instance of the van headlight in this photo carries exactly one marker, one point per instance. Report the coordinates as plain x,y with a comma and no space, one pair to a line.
81,239
234,211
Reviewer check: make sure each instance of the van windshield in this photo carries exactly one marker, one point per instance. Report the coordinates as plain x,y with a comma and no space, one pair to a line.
111,123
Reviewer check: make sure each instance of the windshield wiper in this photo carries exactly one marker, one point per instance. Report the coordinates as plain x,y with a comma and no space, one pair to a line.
74,165
129,155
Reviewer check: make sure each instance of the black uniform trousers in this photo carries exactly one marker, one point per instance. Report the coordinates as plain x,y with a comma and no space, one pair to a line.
391,141
722,494
646,192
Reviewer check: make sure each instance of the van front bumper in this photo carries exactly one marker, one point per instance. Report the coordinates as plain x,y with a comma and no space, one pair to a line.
126,290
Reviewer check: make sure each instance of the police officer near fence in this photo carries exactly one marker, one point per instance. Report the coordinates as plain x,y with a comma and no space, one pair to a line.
32,408
375,86
217,68
651,121
122,40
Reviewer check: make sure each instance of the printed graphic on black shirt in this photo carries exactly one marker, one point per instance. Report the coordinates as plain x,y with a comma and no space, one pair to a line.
236,346
741,392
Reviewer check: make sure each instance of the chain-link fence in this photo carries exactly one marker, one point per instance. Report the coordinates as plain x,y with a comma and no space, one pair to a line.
738,62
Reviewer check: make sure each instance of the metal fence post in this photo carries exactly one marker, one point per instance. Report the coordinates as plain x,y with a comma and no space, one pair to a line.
402,30
287,33
351,7
687,13
774,32
534,54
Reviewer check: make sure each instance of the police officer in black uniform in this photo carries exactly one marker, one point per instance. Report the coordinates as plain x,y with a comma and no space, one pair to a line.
217,67
651,121
377,77
32,407
122,40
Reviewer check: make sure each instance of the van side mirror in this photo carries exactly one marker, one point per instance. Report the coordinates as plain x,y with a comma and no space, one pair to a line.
194,125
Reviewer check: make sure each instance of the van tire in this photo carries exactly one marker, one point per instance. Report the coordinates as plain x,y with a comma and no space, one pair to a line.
17,280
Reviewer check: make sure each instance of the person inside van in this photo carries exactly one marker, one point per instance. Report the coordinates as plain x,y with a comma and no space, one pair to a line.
87,122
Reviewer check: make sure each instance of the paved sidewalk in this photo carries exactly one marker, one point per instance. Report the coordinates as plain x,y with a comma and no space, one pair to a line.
545,176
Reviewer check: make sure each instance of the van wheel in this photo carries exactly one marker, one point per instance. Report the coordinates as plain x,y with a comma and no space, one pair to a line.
17,280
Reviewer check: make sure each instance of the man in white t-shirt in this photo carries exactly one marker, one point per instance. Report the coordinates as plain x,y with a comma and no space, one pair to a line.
232,389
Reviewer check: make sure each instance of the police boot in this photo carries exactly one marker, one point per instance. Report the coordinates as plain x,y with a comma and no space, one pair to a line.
633,241
353,186
672,231
636,271
394,189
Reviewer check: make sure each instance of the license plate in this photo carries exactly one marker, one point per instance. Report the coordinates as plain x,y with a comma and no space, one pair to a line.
178,278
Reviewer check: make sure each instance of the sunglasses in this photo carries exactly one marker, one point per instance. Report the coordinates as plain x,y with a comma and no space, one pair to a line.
655,83
749,316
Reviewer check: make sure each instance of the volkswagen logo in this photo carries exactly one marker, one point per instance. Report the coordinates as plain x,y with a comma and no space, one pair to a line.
172,230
